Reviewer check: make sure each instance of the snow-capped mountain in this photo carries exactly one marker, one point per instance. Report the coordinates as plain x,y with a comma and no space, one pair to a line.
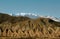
30,15
51,17
35,16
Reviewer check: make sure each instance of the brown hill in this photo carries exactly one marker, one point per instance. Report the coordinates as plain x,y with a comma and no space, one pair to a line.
25,27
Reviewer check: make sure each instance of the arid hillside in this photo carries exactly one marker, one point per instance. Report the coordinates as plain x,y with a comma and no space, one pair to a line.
27,28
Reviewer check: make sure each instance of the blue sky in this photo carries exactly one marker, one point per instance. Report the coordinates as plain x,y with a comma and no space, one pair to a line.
42,7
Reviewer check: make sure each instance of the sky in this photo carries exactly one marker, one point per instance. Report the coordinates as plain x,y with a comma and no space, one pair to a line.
42,7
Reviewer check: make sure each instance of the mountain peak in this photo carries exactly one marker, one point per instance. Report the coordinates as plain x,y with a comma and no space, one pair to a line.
32,15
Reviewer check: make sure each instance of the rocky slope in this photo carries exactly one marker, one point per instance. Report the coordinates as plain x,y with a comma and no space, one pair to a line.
25,27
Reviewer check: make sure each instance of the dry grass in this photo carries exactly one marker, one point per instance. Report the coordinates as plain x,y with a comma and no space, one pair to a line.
26,28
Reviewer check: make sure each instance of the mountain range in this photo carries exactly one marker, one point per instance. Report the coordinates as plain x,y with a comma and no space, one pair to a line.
29,26
32,15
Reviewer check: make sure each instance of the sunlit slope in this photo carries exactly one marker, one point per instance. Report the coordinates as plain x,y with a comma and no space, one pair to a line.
20,26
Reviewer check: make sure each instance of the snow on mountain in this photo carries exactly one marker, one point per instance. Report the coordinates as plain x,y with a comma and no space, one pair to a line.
51,17
29,15
35,16
25,14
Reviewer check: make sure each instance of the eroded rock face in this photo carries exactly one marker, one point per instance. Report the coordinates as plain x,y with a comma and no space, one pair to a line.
24,27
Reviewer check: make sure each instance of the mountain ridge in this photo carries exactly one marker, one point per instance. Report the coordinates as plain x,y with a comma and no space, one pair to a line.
34,16
25,27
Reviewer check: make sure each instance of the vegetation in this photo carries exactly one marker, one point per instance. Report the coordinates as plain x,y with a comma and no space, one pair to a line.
27,28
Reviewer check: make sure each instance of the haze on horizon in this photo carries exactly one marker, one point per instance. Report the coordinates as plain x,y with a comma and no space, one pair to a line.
42,7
